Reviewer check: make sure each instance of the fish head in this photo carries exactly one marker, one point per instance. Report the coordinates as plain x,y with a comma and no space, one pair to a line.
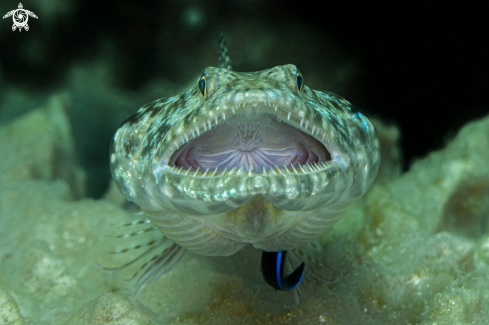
246,158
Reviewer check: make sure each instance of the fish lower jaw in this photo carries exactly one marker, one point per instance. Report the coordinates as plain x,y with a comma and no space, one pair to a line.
239,171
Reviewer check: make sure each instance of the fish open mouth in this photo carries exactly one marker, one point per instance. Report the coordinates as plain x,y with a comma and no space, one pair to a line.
254,138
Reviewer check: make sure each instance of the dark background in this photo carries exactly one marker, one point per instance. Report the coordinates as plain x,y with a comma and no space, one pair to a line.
423,66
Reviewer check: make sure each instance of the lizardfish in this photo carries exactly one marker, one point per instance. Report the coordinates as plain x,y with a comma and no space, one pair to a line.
243,158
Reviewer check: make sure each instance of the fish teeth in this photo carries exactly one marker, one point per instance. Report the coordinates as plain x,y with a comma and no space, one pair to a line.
302,168
188,170
195,174
278,170
311,169
295,170
197,130
313,129
288,171
223,116
205,173
288,116
214,172
302,121
209,124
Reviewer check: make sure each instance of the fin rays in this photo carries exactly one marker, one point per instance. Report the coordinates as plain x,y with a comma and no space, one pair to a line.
224,59
169,256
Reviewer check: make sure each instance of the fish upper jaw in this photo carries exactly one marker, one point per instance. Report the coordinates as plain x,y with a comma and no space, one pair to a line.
240,106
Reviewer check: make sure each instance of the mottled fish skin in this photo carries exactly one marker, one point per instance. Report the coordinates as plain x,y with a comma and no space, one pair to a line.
217,212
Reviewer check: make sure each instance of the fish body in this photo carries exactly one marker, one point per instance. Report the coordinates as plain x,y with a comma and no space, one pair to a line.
252,158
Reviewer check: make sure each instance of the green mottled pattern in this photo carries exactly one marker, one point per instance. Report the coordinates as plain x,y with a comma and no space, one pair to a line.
200,209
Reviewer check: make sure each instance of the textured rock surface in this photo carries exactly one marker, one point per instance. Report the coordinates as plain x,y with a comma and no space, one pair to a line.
414,251
9,312
40,146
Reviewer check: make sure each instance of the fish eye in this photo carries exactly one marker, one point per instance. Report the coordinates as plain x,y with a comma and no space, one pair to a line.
300,83
202,86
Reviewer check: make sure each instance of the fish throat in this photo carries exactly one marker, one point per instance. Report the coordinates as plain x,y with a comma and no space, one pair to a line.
252,140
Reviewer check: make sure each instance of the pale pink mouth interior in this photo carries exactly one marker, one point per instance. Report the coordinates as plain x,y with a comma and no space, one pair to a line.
252,141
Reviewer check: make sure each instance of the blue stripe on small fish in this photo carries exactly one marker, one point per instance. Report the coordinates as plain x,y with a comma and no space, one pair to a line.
272,265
